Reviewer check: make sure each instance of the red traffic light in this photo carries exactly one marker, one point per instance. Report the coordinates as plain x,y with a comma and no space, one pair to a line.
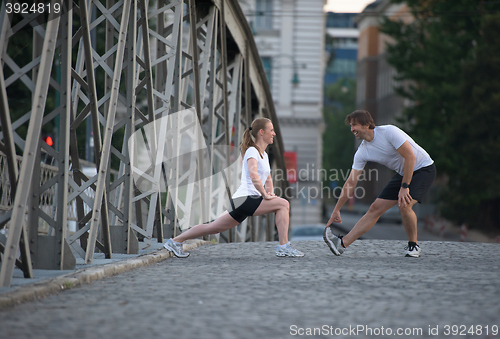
48,140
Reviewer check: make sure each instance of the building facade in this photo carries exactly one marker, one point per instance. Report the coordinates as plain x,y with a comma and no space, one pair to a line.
375,79
342,47
290,37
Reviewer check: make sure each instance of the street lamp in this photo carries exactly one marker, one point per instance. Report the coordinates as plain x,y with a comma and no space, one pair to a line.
295,66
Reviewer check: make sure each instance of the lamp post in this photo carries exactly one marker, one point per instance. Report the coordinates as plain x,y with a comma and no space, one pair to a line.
295,67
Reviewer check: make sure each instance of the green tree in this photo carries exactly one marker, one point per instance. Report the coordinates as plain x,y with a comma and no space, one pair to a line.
475,135
338,142
440,59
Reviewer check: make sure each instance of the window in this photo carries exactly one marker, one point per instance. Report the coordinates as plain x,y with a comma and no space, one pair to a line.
263,15
267,62
342,66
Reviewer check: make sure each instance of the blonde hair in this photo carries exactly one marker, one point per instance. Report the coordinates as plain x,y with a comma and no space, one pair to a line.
251,133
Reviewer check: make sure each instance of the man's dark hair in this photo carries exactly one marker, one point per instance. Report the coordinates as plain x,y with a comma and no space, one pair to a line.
361,117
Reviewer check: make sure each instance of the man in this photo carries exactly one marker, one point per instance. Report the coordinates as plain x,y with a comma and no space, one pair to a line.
415,173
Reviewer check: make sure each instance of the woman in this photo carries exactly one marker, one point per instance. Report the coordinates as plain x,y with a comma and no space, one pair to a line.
254,196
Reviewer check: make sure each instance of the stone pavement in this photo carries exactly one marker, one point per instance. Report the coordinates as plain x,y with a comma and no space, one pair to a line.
46,282
242,290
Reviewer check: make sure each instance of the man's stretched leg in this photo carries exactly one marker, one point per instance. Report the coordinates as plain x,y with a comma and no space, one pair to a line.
379,207
338,244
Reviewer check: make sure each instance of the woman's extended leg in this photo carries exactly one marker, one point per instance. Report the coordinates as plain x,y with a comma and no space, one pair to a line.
281,207
221,224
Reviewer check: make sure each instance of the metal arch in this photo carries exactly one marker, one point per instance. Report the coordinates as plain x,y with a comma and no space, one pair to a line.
18,226
157,60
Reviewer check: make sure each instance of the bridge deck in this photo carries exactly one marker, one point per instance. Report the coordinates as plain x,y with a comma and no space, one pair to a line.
241,290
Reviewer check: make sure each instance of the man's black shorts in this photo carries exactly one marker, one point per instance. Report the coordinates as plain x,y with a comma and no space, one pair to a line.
420,183
245,207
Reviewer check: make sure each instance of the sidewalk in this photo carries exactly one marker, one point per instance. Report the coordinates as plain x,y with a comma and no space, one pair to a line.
47,282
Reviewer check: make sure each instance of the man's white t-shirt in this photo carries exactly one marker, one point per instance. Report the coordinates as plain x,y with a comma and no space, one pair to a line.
264,169
383,150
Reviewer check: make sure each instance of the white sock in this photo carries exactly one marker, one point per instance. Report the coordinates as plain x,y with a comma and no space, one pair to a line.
283,246
175,242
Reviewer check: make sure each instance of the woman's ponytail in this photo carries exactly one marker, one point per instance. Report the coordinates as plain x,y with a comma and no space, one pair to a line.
247,141
250,135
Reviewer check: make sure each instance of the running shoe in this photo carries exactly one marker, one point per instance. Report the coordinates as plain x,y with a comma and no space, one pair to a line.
333,241
175,248
288,251
412,250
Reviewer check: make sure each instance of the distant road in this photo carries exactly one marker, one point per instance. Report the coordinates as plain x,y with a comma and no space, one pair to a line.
388,230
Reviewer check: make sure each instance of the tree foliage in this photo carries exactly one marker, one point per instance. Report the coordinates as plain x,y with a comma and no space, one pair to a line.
448,59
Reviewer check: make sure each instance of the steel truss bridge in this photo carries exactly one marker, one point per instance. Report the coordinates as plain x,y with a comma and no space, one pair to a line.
117,68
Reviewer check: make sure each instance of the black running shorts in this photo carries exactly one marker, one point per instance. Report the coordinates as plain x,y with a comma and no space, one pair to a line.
244,207
420,183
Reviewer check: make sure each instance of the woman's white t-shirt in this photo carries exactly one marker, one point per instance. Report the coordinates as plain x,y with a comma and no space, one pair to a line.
383,149
264,169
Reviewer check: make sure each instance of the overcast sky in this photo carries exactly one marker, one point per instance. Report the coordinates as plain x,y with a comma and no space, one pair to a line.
346,6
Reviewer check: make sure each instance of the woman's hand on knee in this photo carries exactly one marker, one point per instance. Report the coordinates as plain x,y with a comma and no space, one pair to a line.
270,196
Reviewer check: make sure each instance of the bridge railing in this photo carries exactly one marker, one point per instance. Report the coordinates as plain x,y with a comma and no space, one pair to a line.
118,68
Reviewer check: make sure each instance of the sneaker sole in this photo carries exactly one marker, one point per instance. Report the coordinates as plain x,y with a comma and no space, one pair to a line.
168,248
330,244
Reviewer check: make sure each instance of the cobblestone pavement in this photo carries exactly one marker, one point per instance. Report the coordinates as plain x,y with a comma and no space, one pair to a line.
243,291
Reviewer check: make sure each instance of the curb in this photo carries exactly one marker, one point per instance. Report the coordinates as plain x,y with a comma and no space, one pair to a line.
83,276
